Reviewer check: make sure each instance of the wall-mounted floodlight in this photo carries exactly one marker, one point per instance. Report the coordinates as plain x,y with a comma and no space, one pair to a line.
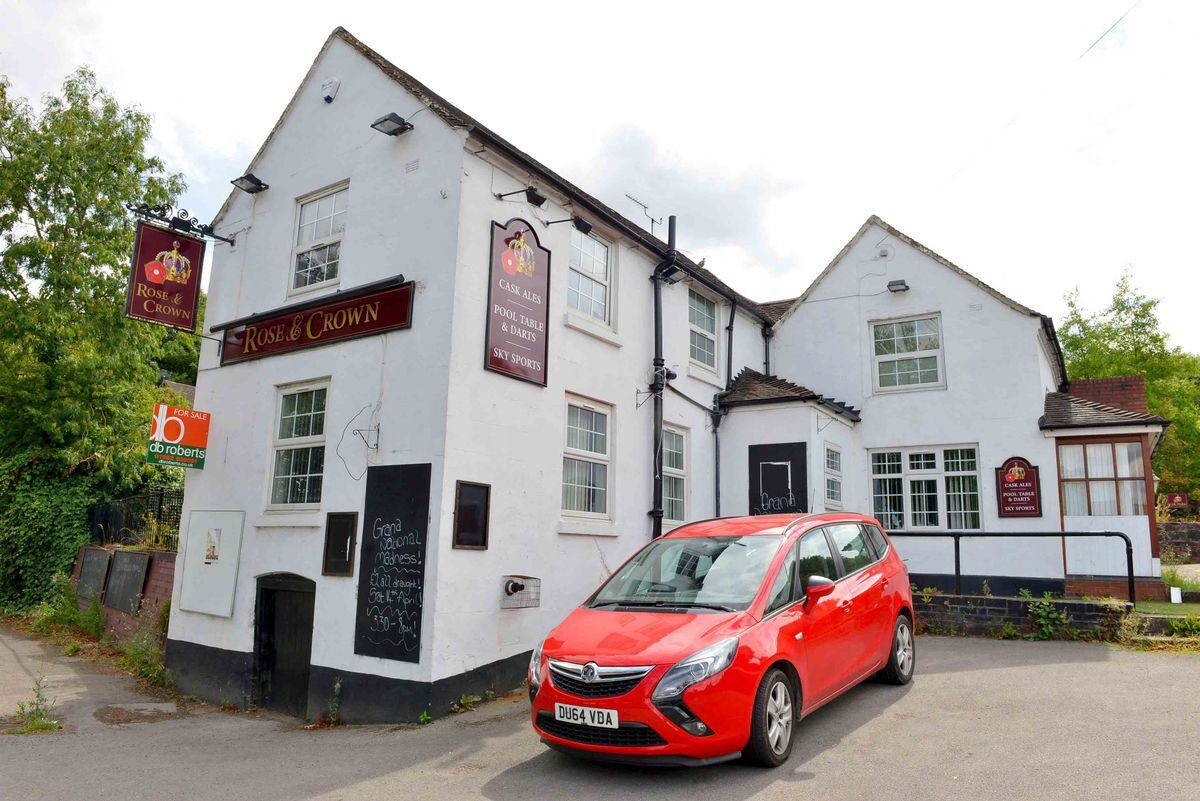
532,196
673,274
897,286
249,183
392,124
581,225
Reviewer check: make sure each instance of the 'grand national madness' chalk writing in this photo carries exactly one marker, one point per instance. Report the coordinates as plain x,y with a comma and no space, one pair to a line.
392,568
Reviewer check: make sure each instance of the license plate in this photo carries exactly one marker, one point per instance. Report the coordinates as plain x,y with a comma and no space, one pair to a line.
586,716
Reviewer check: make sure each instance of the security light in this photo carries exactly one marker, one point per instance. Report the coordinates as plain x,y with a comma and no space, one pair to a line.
897,286
249,183
581,225
392,124
673,274
532,196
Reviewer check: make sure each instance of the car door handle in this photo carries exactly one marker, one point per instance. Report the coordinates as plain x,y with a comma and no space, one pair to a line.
845,605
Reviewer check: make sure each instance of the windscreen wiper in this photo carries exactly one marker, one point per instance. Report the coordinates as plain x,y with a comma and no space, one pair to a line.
666,605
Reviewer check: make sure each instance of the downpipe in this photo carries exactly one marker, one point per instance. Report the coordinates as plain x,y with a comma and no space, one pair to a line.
659,384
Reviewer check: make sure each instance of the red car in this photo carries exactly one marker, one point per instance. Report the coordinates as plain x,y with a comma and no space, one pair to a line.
713,641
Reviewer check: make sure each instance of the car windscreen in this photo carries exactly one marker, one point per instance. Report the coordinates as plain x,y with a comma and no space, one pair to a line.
721,573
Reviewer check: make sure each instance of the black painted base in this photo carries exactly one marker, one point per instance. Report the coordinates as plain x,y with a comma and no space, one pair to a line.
997,585
227,677
214,674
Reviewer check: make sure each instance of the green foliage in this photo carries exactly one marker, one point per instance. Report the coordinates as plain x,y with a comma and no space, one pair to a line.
1049,621
1126,338
34,716
1185,626
1173,578
91,622
424,718
60,609
142,654
1008,632
465,703
42,525
79,379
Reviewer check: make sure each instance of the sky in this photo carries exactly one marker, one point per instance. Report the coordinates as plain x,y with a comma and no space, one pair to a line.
1004,136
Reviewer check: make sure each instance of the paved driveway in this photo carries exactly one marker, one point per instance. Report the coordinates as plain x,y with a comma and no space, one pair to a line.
983,719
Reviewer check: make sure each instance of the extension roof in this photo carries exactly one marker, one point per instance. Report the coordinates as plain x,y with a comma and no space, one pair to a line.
752,387
1069,411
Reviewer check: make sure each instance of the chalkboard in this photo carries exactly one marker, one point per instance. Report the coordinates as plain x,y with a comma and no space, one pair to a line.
391,568
92,573
125,581
778,478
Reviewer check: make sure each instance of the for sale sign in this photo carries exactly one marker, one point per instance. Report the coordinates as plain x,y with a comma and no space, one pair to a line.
178,437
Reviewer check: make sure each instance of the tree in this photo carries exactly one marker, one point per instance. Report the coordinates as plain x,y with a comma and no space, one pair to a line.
1126,338
79,380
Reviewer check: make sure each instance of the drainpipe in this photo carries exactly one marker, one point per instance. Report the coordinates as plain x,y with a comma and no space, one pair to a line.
767,333
729,345
658,385
716,424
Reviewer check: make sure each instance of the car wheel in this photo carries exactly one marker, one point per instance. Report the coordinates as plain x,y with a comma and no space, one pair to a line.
903,659
773,722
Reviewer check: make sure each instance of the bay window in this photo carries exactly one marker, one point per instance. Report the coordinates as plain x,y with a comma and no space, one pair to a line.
1102,478
927,487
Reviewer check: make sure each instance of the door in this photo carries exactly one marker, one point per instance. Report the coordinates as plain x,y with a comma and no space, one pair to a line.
861,597
821,626
283,642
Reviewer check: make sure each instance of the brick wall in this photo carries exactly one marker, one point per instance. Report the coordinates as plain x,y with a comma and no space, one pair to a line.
1124,392
988,614
1116,587
160,576
1179,541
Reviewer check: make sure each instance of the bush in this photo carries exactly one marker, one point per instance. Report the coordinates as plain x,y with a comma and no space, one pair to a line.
60,610
142,654
43,524
91,622
1186,626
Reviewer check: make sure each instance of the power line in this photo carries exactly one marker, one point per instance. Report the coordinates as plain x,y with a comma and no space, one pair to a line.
1120,19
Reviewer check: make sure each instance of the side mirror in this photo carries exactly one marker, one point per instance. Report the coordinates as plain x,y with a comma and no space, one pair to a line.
818,587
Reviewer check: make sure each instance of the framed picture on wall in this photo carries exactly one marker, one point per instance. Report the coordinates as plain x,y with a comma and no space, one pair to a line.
472,505
341,531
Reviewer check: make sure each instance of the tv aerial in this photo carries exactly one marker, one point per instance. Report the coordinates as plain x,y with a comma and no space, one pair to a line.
646,211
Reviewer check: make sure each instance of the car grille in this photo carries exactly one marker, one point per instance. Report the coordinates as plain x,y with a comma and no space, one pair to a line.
608,689
630,735
608,682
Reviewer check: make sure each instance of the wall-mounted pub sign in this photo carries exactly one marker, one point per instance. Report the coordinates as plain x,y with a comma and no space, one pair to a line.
1177,500
518,303
1018,489
178,437
371,309
164,278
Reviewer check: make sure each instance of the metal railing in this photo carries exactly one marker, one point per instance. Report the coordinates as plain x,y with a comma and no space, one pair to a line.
151,519
960,535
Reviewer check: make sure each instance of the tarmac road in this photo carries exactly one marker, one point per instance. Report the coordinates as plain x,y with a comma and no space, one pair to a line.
983,719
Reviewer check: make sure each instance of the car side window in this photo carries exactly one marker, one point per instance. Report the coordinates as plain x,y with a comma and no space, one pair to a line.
781,588
877,540
815,558
851,543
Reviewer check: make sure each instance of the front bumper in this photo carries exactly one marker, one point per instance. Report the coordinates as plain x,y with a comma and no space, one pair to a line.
645,735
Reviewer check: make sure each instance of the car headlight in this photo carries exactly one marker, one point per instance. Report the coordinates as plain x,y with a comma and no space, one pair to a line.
697,667
535,664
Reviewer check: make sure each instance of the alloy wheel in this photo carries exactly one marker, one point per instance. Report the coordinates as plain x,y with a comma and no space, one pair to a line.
779,717
904,648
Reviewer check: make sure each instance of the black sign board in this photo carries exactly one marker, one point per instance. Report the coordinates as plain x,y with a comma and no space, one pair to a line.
92,573
125,581
391,571
340,528
778,478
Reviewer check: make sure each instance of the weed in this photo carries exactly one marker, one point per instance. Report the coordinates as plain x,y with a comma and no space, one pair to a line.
60,610
35,716
142,653
465,703
928,594
489,694
72,648
1185,626
335,702
1008,632
424,718
1048,621
986,590
1172,578
91,622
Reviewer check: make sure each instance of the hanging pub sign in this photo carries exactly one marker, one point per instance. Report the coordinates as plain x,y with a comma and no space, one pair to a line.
164,278
518,303
1177,500
371,309
178,437
1018,489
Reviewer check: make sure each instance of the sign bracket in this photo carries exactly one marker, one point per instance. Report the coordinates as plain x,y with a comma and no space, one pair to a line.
176,219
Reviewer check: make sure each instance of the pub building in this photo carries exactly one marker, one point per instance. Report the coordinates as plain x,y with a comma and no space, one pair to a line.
437,391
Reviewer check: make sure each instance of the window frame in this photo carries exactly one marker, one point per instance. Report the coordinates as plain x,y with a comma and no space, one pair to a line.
835,475
456,531
610,282
578,454
673,472
938,474
713,368
938,353
298,250
295,443
1115,479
